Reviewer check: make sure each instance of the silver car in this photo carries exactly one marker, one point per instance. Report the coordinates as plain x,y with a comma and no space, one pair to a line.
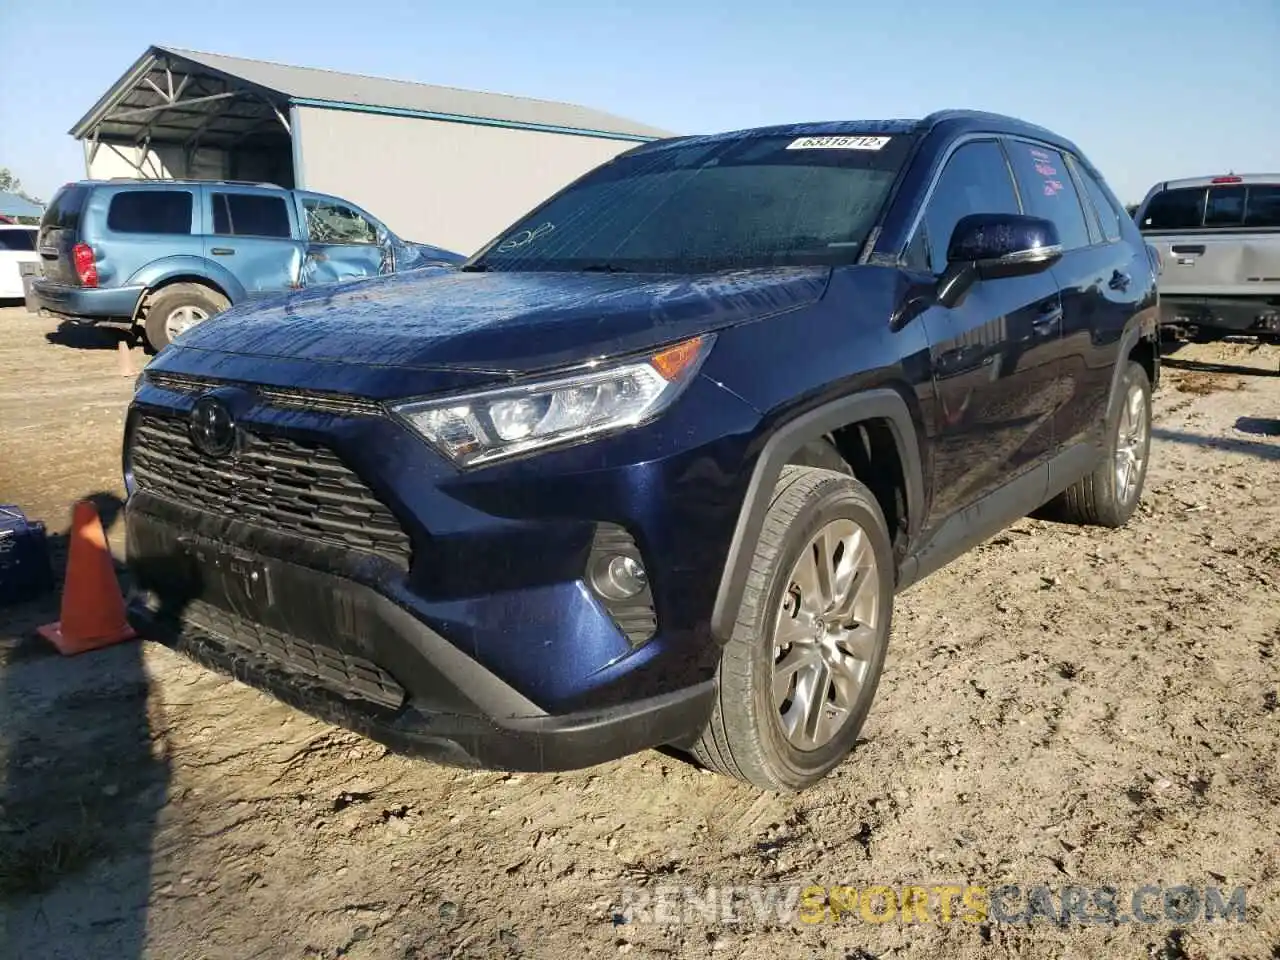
1219,239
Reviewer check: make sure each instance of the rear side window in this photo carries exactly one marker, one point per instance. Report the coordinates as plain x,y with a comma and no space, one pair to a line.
63,212
975,180
1179,209
1225,207
250,215
1263,207
21,240
1048,192
150,211
1108,216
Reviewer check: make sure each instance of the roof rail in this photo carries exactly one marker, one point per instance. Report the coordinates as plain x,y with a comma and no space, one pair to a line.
236,183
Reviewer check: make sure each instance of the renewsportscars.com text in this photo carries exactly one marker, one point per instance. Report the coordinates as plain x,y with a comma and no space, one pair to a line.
938,903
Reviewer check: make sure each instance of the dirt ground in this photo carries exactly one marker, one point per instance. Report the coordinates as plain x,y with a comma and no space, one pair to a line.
1061,706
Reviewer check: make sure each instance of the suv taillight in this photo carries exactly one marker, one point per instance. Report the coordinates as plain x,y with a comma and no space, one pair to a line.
86,269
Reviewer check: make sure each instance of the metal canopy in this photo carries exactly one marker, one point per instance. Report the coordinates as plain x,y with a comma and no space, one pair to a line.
262,89
168,99
12,205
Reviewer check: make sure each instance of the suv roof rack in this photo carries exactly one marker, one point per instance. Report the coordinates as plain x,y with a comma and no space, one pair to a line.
236,183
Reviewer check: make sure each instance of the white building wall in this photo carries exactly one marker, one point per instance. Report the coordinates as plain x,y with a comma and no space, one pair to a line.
160,162
454,185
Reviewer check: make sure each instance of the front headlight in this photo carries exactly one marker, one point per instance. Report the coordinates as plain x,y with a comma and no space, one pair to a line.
490,425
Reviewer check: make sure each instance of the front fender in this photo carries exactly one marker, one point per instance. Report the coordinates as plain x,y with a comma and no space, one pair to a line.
413,256
877,404
161,271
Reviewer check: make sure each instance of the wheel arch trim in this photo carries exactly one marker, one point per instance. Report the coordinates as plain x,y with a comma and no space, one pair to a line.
1128,340
884,404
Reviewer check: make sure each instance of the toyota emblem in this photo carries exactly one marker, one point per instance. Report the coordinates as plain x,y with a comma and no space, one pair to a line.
212,430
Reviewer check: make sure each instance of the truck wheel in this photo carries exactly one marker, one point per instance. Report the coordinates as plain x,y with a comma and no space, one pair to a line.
798,675
179,307
1108,496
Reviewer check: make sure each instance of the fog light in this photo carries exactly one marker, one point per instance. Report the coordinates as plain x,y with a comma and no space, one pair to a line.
618,577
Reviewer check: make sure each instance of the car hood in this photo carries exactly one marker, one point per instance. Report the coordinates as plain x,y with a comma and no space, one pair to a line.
497,323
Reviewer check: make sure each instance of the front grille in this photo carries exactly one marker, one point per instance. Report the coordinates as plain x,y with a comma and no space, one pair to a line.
271,482
309,400
350,677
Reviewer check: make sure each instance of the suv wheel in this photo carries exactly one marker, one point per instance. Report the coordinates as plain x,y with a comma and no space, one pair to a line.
1108,496
798,675
179,307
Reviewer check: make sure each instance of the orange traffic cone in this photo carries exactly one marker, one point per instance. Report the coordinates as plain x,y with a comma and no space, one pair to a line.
92,606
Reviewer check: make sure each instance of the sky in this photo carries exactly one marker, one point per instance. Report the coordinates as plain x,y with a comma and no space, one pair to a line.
1148,89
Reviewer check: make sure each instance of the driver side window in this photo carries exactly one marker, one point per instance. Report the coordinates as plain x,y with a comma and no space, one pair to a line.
976,179
329,222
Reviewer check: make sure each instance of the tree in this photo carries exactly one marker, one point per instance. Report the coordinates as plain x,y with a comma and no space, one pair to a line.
11,184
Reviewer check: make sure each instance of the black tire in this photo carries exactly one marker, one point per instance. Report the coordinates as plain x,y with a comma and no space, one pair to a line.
169,299
744,737
1097,499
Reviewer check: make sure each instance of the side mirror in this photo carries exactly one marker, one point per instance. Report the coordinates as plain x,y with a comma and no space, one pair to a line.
988,246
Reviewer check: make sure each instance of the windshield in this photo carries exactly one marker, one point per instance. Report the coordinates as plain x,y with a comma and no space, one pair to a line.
711,205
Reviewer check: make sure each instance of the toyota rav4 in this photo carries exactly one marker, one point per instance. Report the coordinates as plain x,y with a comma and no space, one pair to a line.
651,467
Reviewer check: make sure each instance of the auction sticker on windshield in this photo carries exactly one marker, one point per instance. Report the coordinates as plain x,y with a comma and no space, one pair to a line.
838,143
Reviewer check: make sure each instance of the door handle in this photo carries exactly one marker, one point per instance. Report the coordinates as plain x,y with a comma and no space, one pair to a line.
1119,281
222,251
1187,249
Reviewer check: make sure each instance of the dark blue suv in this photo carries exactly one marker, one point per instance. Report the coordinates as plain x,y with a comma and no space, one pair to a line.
650,468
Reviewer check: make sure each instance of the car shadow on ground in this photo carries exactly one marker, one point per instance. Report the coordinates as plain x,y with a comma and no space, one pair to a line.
1168,357
1250,448
88,337
1262,426
85,779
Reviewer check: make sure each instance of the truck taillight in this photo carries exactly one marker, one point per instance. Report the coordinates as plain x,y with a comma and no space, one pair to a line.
1230,179
86,268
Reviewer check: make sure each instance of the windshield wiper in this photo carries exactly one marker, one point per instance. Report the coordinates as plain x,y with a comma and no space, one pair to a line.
604,268
475,268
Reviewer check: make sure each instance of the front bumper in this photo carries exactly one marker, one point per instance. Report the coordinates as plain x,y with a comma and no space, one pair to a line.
337,561
87,303
366,663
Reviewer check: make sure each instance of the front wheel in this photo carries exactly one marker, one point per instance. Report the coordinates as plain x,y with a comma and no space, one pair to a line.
797,677
177,308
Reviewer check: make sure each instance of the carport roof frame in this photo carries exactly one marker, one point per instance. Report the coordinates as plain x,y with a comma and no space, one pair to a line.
171,95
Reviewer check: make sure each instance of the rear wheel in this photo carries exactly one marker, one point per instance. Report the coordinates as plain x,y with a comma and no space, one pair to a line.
799,673
177,308
1108,496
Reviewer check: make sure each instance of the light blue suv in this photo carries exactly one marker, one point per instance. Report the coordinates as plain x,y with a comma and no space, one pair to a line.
164,255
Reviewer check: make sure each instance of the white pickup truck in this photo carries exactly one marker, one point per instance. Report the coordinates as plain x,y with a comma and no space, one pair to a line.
1219,239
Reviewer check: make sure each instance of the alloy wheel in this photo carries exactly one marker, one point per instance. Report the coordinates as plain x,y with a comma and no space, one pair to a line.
1131,443
825,634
